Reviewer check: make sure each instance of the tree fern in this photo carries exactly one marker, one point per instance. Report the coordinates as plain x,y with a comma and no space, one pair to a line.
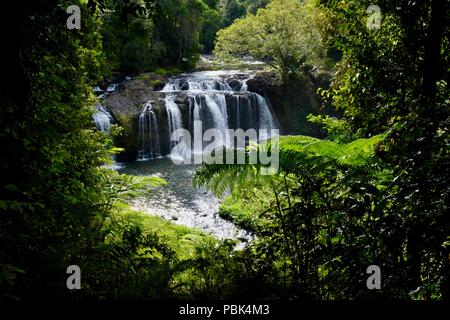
296,154
122,187
218,178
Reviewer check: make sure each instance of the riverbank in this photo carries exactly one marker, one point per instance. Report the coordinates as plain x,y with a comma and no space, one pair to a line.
181,239
180,203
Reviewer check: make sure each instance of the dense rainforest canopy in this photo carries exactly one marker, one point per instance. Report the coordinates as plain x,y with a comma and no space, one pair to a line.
372,190
139,35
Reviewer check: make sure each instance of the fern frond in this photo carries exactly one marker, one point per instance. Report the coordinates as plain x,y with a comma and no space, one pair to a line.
296,154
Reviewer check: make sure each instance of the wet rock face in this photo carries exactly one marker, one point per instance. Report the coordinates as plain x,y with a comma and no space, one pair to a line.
132,94
184,86
235,84
265,83
293,101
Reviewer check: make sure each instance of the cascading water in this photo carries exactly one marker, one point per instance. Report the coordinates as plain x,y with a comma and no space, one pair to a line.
196,118
148,134
174,118
102,119
216,106
238,111
217,99
266,120
244,86
221,100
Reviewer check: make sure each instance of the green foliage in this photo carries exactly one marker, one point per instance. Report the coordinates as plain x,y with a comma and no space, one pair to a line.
336,206
126,38
211,23
139,35
8,274
161,72
122,188
157,83
352,154
141,256
177,26
337,129
59,204
285,35
232,10
254,5
247,208
294,153
219,272
50,189
317,195
397,77
219,14
141,265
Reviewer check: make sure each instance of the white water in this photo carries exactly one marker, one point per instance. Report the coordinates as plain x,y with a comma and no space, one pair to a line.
148,134
208,93
102,119
266,120
173,116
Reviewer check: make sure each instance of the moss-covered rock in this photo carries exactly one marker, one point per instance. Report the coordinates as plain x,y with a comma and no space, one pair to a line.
128,140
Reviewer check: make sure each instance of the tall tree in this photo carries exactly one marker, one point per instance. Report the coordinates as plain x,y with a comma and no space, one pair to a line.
50,178
396,77
284,35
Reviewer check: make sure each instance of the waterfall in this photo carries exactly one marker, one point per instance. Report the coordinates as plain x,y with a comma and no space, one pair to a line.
173,116
148,134
266,120
238,111
102,119
218,99
244,86
216,105
197,85
171,86
197,108
197,117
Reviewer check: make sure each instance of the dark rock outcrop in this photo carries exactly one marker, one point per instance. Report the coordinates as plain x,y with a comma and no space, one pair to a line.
126,105
132,94
293,101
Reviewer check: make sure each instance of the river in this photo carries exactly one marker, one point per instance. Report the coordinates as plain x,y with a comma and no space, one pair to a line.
179,201
220,99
